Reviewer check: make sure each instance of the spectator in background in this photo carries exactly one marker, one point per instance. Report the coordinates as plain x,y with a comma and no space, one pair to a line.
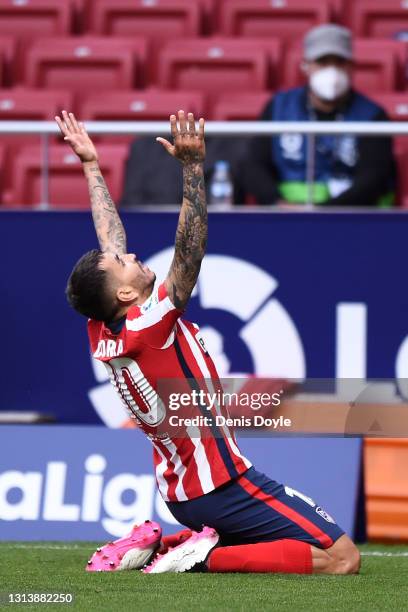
349,171
147,160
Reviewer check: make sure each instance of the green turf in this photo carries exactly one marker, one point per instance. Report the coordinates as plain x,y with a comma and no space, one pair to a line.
59,568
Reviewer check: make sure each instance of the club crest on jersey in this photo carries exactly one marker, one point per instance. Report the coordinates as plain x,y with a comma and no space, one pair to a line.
201,342
324,514
150,302
109,348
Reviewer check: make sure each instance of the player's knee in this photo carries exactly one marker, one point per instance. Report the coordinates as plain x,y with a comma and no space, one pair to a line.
349,562
354,561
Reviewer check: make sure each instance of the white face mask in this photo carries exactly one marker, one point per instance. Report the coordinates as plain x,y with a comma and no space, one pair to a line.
329,83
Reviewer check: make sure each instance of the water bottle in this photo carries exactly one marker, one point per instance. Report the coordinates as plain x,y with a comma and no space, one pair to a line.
221,189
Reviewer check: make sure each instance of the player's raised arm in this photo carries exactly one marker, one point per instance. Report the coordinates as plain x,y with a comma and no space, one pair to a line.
191,236
109,229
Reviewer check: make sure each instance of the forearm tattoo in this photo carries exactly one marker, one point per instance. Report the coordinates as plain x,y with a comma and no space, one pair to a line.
191,235
109,228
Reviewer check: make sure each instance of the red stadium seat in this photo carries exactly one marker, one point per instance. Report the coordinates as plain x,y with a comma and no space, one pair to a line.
379,18
286,19
376,65
213,65
158,19
28,104
31,18
145,105
33,104
85,63
67,187
240,107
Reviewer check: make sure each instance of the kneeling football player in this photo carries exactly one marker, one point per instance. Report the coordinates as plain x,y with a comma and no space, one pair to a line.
253,524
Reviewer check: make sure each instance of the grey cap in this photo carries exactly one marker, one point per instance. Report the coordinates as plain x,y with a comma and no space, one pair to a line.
328,39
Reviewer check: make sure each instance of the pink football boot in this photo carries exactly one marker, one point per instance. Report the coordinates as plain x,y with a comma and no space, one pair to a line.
185,556
131,552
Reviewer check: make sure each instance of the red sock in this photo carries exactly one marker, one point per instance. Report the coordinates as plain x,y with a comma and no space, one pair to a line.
170,541
281,556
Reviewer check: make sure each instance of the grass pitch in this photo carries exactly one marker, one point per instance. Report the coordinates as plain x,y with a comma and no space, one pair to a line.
48,567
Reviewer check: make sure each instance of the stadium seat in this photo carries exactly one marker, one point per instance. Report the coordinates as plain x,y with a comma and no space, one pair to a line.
67,187
85,64
213,65
35,18
240,107
29,105
157,20
145,105
33,104
377,65
286,19
379,18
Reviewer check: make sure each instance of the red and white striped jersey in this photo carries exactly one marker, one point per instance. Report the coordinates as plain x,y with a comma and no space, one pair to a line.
154,345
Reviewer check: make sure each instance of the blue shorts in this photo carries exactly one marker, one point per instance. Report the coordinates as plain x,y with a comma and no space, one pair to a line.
253,508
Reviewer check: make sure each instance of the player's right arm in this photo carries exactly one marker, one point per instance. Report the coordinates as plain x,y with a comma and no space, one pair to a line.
108,226
192,229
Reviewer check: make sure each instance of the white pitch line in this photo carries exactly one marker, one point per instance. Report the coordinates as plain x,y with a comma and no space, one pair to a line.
378,553
373,553
44,547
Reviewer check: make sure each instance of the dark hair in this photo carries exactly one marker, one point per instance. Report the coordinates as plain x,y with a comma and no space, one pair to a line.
87,290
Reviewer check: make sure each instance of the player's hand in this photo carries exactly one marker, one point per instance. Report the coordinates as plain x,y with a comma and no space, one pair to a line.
76,135
188,143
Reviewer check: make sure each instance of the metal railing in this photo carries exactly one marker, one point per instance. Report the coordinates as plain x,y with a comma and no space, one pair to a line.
310,129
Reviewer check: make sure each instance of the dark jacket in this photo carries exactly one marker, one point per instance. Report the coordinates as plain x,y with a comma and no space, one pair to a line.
372,176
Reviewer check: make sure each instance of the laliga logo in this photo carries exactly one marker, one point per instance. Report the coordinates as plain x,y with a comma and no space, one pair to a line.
42,496
241,289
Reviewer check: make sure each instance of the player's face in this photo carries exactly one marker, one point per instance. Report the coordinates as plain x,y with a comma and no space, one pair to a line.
128,271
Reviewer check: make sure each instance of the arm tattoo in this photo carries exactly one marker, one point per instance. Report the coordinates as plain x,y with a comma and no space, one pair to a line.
109,228
191,236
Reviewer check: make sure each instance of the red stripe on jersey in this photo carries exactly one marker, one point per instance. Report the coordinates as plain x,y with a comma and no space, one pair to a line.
287,511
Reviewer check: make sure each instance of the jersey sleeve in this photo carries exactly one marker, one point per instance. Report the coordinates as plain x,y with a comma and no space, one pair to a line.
153,322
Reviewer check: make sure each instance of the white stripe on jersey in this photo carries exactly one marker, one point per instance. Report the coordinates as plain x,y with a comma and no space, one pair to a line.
152,317
179,469
169,340
159,470
196,350
200,456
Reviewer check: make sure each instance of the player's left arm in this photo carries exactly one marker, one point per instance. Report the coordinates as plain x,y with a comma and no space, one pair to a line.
108,226
192,229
